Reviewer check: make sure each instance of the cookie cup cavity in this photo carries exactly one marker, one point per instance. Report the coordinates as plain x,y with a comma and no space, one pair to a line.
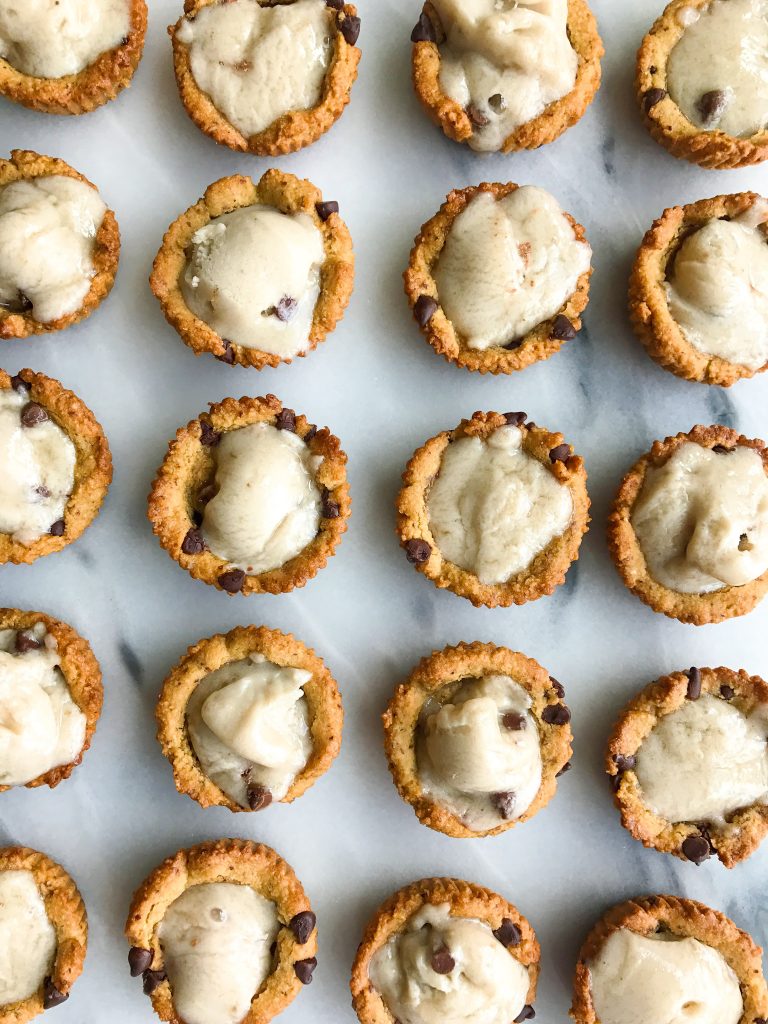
433,677
189,465
65,910
649,310
280,191
553,120
548,568
697,609
540,343
240,862
648,915
25,165
294,129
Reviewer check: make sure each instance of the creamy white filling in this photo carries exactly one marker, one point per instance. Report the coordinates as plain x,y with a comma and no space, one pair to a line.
27,937
37,471
507,265
469,760
701,519
718,288
704,761
506,60
215,939
636,979
267,509
48,228
54,38
493,508
717,72
257,63
254,277
248,723
486,985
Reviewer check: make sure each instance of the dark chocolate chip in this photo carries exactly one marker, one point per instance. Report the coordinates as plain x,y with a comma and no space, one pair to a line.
208,436
310,433
556,714
305,969
513,721
286,420
424,30
697,849
557,686
653,69
508,933
424,308
57,528
26,641
560,453
417,551
329,508
232,581
504,804
259,796
476,116
337,5
497,103
566,768
324,210
286,308
21,304
530,425
302,925
727,692
721,449
510,346
43,491
139,960
712,105
17,383
205,493
515,419
350,29
652,97
32,415
693,691
193,543
625,762
442,962
153,980
52,996
527,1013
563,329
228,355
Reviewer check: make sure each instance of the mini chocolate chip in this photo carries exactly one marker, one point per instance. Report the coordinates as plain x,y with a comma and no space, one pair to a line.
727,692
26,641
232,581
43,491
693,691
513,721
139,960
527,1013
721,449
286,308
337,5
310,433
760,1020
193,543
424,308
302,925
697,849
17,383
712,105
562,328
286,420
417,551
556,714
515,419
228,355
476,116
560,453
557,686
625,762
324,210
259,796
152,981
442,962
32,415
424,30
52,996
510,346
208,436
530,425
350,29
57,528
504,804
305,969
497,103
329,508
653,69
566,768
652,97
508,933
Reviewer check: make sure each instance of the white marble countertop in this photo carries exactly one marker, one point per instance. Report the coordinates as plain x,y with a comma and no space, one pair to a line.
383,391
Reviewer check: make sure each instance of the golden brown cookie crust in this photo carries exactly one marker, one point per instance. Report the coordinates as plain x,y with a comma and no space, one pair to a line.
27,165
321,693
66,912
189,465
466,900
554,119
81,672
649,310
688,919
436,677
90,88
289,195
697,609
93,465
543,341
666,121
547,570
291,131
226,860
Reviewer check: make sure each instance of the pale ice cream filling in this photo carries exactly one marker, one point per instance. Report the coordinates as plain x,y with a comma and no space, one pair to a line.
508,265
37,471
257,62
254,276
486,984
701,519
248,724
504,61
493,508
27,937
717,72
662,977
55,38
718,288
48,229
704,761
479,753
216,940
267,509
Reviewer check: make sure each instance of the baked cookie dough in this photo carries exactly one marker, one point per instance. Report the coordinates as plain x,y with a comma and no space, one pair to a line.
494,510
698,294
263,77
665,958
688,759
222,932
702,81
59,245
69,56
443,951
256,274
50,699
504,77
249,717
43,934
499,277
475,739
688,530
251,498
55,467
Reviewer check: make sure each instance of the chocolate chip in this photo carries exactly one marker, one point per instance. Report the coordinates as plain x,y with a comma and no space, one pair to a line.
52,996
228,355
329,508
337,5
625,762
556,714
476,116
727,692
513,721
208,436
32,415
21,304
497,103
17,383
653,69
417,551
302,925
26,641
712,105
442,962
721,449
560,453
508,933
557,687
232,581
562,329
510,346
566,768
424,308
305,969
139,960
324,210
193,543
527,1013
286,420
697,849
350,29
652,97
57,528
259,796
424,30
43,491
152,981
693,692
205,493
286,308
310,433
504,804
515,419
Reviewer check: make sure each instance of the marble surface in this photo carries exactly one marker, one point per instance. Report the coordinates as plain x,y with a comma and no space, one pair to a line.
382,390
